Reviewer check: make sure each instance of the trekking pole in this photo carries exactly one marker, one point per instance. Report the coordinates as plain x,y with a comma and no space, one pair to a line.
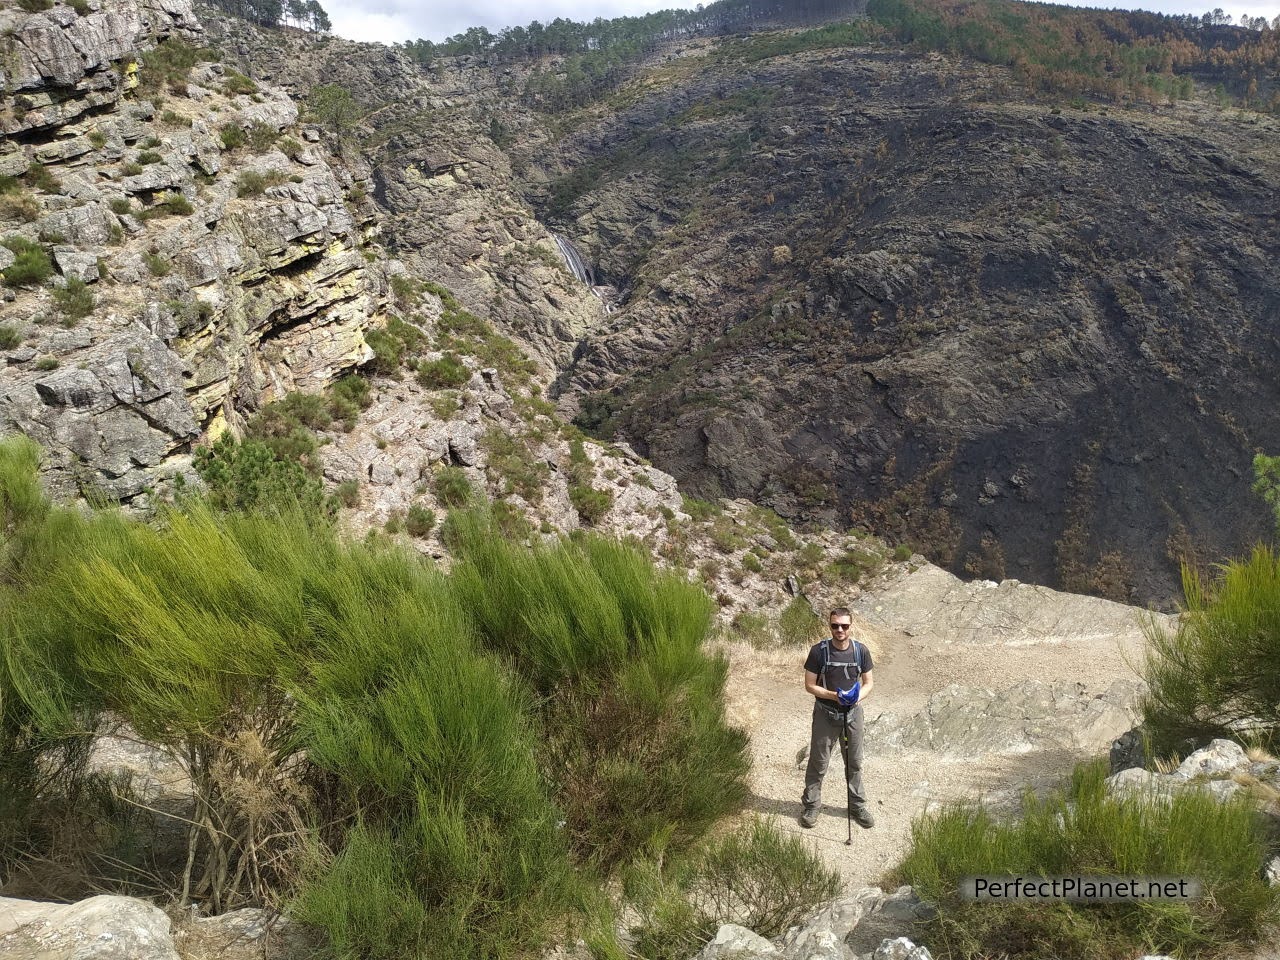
848,804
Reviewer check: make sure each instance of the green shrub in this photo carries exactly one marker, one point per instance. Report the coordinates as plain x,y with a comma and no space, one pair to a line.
131,169
444,404
1218,672
290,147
348,397
19,205
74,299
236,83
444,373
700,510
407,291
157,265
757,877
751,563
42,178
171,204
902,552
388,750
121,205
252,183
248,476
419,520
634,729
799,625
394,344
511,459
855,564
263,650
452,488
9,336
333,107
309,409
47,363
193,314
232,136
97,139
35,6
753,628
1093,834
591,503
510,521
725,535
261,136
169,118
810,556
286,426
388,351
148,157
31,264
166,66
348,493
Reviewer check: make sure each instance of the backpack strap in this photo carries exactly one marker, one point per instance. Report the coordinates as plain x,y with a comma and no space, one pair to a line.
826,661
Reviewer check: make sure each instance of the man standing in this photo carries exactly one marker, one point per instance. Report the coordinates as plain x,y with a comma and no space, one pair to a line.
837,673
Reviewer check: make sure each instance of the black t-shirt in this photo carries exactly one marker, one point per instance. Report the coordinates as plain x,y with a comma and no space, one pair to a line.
844,667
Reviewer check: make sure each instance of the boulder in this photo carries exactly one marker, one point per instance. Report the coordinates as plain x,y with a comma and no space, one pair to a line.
838,918
1218,758
1272,872
74,388
733,942
100,928
1138,780
901,948
966,721
1128,750
76,265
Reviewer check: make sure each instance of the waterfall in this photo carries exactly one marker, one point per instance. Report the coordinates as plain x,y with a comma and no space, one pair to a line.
574,259
582,270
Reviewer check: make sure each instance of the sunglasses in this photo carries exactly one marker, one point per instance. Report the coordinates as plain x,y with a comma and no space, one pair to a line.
840,626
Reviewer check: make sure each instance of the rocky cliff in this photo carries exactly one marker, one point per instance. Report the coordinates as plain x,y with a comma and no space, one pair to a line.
875,287
864,286
206,251
858,285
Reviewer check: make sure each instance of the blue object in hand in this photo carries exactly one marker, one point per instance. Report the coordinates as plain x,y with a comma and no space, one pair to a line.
849,698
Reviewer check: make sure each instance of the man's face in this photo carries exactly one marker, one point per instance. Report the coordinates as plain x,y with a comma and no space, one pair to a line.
840,628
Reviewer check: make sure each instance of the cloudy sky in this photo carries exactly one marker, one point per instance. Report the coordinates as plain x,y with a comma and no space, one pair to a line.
393,21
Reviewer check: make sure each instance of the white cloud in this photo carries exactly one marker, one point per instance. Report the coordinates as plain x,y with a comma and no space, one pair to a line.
395,21
370,27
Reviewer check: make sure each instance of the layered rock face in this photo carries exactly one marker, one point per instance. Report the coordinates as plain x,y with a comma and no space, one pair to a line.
452,209
866,286
219,247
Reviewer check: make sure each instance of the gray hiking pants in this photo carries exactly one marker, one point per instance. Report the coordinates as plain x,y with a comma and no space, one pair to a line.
824,739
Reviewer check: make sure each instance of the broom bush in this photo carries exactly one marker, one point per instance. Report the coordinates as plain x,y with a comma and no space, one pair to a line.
1091,833
632,705
418,763
1218,673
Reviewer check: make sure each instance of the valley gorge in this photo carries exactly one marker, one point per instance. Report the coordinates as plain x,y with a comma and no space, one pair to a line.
872,288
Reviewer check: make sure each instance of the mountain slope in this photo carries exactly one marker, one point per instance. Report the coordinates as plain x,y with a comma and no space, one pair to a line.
880,287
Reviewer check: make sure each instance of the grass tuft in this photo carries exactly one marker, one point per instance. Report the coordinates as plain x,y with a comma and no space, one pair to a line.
1090,833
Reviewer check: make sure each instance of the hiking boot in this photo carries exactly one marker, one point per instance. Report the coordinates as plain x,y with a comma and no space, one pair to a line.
863,818
809,817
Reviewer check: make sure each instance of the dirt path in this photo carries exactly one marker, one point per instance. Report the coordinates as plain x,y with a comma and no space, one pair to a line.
1086,641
